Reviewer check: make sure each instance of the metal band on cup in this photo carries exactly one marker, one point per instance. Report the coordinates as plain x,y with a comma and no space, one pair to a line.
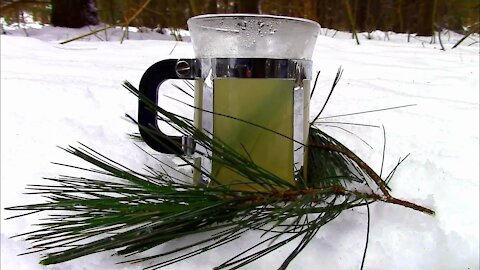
206,70
246,68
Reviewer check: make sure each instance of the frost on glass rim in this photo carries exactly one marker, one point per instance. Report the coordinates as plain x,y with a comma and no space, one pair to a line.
232,35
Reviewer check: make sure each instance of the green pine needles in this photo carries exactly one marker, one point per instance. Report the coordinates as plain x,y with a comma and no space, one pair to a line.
129,212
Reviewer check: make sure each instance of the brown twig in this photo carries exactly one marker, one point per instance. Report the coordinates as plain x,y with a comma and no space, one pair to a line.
473,28
351,20
129,20
292,195
410,205
126,23
87,34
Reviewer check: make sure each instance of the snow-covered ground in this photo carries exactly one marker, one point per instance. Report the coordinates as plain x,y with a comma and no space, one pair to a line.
57,95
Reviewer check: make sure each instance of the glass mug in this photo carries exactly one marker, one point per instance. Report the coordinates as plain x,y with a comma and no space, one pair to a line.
251,67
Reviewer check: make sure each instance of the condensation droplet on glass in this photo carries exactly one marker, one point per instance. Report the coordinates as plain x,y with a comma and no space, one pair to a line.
243,25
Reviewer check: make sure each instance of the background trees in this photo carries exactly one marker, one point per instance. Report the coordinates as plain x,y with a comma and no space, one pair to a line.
412,16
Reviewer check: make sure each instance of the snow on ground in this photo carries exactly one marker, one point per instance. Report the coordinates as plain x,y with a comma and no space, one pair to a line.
50,33
57,95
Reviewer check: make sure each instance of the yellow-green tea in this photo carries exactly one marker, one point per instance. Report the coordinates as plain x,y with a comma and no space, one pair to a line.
265,102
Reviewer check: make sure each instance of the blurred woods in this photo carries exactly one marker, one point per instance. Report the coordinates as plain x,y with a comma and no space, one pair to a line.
422,17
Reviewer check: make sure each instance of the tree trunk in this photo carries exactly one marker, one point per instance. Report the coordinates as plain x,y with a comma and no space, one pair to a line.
73,13
250,6
211,6
424,19
310,9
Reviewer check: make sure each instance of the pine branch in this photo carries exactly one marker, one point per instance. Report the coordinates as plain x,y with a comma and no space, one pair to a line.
131,212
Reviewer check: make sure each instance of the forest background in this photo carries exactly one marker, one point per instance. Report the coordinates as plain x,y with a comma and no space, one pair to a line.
420,17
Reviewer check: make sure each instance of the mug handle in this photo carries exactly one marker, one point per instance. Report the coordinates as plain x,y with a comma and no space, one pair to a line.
151,80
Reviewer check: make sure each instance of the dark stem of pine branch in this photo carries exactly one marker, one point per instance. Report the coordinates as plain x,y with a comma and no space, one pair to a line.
315,84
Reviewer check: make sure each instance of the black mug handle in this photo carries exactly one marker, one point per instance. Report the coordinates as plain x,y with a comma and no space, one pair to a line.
151,80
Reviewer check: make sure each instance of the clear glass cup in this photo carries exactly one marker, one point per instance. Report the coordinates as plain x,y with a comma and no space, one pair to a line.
255,36
252,91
